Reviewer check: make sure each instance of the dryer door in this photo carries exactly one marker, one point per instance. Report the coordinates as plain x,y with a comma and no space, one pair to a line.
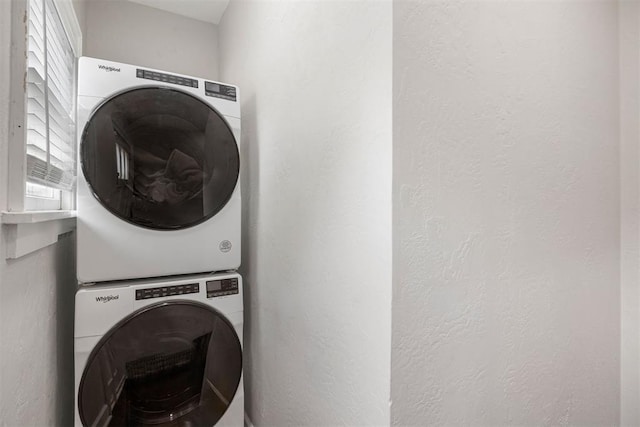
159,158
170,364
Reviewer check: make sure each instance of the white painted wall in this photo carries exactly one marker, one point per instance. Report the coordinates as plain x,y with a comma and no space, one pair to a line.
36,307
506,295
128,32
5,67
315,81
80,8
629,18
36,331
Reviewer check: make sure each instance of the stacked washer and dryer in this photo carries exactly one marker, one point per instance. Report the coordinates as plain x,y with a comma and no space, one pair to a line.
159,312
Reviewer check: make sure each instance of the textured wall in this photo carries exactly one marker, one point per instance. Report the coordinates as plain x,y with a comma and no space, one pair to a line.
315,81
506,296
128,32
36,308
630,213
36,331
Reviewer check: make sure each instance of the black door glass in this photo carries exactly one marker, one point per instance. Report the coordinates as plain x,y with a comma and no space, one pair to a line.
159,158
168,364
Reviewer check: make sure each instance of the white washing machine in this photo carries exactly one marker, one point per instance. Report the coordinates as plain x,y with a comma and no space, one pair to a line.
158,173
162,353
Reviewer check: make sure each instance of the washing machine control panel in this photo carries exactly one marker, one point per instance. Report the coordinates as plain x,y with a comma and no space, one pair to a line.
220,288
167,291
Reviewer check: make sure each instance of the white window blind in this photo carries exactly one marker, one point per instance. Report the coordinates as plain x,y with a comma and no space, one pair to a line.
50,99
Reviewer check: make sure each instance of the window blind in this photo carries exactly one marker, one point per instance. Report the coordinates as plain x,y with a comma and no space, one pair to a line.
50,99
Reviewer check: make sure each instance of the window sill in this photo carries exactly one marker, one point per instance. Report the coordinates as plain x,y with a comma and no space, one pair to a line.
28,232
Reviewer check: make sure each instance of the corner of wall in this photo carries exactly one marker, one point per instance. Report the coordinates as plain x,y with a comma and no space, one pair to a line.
629,90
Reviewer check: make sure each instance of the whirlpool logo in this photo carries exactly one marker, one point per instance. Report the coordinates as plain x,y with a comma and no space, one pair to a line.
107,298
108,68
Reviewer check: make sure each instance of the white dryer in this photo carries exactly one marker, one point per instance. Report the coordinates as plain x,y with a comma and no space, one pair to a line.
162,353
158,180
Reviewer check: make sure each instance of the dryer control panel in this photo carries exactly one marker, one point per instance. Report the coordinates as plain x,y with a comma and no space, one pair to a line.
167,78
219,288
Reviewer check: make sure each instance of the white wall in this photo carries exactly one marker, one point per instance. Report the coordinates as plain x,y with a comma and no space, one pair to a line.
36,307
36,331
5,67
315,85
630,212
506,295
128,32
80,9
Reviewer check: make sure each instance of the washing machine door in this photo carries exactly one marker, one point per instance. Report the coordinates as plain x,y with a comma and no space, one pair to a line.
159,158
176,363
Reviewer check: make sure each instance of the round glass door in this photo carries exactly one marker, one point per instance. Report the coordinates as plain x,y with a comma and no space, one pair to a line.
169,364
159,158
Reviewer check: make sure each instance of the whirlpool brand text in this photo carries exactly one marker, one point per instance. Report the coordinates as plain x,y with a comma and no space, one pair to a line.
108,68
107,298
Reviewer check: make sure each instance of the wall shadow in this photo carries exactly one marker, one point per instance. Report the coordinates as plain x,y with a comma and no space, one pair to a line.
249,184
65,308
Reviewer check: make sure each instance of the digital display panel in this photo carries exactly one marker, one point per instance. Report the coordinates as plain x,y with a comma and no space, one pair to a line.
212,87
214,285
